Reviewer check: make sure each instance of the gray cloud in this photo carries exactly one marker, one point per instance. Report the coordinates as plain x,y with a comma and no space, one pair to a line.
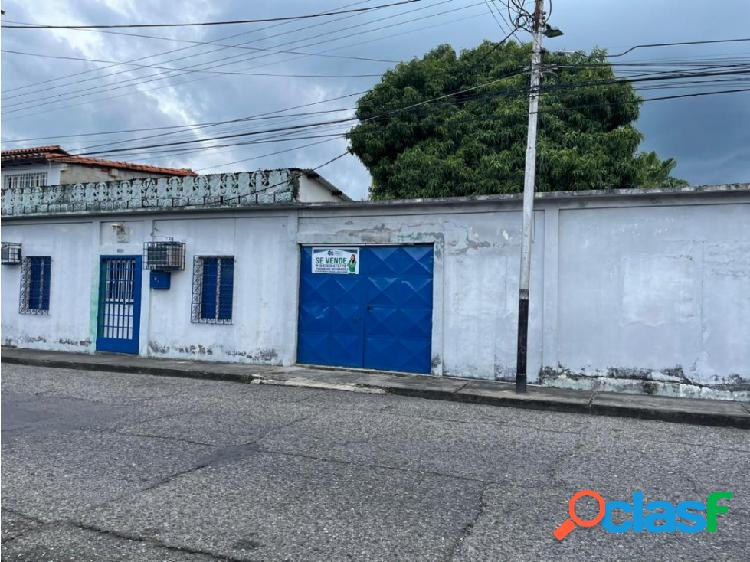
708,136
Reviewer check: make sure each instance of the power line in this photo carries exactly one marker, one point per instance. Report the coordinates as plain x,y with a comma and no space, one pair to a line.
660,98
128,63
674,76
220,137
204,124
494,17
398,110
181,135
706,42
658,76
134,81
213,23
221,45
294,128
543,110
181,49
225,62
360,42
265,155
178,152
41,55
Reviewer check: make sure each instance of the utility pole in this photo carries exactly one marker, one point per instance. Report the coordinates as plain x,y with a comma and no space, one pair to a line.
528,199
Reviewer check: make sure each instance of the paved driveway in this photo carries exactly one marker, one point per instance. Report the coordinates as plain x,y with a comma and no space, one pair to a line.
106,466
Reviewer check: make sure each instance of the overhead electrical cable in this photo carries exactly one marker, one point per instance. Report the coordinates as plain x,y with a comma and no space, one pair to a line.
223,164
35,102
680,43
225,61
452,22
541,111
242,45
553,87
214,23
521,94
41,55
264,115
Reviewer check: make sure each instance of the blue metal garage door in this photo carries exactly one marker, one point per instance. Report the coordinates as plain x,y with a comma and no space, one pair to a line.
378,318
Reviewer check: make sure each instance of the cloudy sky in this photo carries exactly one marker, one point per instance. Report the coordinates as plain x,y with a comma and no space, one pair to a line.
42,97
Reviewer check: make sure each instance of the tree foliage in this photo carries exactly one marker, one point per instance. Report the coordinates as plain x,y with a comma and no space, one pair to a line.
475,142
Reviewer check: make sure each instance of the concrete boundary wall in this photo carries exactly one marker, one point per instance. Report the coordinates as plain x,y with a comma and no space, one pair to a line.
635,290
161,193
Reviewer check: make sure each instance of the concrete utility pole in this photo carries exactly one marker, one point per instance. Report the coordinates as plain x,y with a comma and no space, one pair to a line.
528,200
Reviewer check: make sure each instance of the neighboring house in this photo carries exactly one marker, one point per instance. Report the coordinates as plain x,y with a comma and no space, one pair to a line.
42,166
52,165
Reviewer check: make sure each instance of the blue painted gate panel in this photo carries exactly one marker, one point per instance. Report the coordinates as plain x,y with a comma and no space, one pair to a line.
119,304
330,317
379,319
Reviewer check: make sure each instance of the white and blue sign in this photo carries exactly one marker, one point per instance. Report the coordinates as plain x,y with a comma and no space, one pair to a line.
341,261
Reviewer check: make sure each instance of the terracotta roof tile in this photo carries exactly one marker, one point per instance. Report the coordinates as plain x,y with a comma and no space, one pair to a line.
34,152
86,161
56,152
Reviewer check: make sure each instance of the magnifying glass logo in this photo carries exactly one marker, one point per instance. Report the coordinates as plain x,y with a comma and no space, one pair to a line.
569,524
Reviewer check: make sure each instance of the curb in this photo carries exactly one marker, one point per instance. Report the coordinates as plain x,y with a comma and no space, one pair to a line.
527,401
607,410
142,370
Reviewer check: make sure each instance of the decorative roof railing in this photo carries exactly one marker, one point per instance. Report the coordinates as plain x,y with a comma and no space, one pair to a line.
240,189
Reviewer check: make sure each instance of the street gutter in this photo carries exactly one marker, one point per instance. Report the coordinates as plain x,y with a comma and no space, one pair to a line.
493,393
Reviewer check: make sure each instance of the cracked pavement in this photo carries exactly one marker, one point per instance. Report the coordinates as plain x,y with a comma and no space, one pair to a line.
109,466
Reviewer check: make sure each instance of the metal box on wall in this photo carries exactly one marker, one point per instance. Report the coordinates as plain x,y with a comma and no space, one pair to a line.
160,280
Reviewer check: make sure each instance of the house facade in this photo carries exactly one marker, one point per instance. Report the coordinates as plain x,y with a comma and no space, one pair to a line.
632,290
52,165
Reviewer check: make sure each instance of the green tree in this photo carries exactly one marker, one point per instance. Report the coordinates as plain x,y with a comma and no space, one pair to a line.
475,142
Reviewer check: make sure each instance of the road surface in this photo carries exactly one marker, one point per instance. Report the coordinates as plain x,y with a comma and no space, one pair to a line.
107,466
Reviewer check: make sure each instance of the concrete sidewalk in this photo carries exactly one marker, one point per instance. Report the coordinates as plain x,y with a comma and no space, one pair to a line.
678,410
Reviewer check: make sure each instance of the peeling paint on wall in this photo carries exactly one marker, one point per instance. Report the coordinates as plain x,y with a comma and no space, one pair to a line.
53,344
648,382
265,356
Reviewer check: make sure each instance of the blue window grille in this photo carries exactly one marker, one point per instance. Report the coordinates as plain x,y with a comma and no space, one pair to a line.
213,285
35,284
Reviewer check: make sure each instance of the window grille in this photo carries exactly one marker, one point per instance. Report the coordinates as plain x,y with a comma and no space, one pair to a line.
164,256
11,253
28,179
35,284
213,285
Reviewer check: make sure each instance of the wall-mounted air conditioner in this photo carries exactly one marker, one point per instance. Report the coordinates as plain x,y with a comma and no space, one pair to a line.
164,256
11,253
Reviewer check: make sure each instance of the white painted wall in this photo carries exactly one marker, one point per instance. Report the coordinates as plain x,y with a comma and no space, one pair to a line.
311,190
264,302
657,289
53,171
67,327
622,290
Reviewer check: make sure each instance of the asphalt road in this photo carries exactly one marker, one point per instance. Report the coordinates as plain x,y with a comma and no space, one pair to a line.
106,466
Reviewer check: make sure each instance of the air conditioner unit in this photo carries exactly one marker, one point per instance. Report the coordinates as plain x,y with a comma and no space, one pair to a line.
164,256
11,253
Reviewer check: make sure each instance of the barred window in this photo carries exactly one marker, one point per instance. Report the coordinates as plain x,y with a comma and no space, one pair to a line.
29,179
213,285
35,284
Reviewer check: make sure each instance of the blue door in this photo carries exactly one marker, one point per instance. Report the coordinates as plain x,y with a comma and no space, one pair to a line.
119,304
379,318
